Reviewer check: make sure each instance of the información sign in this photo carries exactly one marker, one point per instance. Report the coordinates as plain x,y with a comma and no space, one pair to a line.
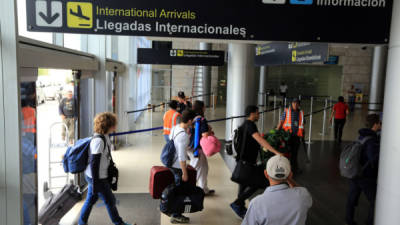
340,21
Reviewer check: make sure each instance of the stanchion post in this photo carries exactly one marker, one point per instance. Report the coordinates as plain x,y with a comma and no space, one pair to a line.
274,108
331,105
285,102
311,117
324,119
127,122
213,100
262,120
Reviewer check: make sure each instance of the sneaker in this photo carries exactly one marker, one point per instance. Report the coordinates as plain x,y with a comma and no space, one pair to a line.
210,192
239,212
180,219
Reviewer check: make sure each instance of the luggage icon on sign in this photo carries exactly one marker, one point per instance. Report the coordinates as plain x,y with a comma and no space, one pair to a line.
301,2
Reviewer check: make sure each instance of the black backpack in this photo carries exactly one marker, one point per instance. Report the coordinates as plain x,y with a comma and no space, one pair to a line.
238,139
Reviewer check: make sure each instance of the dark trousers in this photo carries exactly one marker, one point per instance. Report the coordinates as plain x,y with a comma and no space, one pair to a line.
108,197
244,193
178,180
294,144
368,187
338,128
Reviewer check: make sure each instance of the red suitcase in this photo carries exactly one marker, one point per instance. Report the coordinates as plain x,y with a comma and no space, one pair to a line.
161,177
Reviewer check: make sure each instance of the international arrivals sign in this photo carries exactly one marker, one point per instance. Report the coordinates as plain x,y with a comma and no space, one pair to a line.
340,21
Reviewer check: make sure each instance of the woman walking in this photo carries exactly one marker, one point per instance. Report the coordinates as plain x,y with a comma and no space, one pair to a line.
96,173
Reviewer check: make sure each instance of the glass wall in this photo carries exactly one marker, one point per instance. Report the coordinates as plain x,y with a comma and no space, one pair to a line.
29,152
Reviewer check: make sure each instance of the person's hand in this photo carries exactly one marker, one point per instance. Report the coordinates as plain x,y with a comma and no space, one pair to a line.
330,120
185,177
62,117
290,177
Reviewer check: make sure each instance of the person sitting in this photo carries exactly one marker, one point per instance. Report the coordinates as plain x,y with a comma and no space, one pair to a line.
283,202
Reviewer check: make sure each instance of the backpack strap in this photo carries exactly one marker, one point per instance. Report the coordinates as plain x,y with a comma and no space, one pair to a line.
362,142
105,145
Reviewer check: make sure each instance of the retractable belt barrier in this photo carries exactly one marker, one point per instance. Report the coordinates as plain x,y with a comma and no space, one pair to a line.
159,105
228,118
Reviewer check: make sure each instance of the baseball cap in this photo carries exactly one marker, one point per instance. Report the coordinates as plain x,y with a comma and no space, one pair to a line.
181,94
296,100
278,167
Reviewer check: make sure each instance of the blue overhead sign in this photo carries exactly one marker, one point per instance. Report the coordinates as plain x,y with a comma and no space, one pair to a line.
278,53
347,21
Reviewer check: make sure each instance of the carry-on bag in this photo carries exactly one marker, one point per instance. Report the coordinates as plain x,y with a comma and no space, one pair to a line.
184,198
57,206
161,177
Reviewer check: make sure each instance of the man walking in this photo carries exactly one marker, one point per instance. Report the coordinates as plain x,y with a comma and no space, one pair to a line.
340,111
292,120
68,112
171,118
181,139
283,202
183,103
367,181
253,142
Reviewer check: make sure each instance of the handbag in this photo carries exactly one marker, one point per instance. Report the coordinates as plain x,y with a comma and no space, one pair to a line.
210,145
113,173
246,173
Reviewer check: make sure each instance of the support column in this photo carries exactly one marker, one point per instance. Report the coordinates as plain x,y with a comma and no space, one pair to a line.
97,46
388,195
242,83
10,114
377,86
261,89
206,75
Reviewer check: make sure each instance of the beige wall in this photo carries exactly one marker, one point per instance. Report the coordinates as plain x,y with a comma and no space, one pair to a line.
357,65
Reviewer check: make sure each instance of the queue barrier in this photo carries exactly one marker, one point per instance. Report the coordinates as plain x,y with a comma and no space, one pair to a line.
153,107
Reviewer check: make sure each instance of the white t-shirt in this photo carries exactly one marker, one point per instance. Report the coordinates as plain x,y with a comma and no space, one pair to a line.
181,142
97,147
283,88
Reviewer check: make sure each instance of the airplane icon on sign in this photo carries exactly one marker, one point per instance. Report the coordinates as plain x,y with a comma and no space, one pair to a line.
79,13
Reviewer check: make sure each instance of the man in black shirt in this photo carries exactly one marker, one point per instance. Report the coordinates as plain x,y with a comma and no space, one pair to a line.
68,113
253,142
183,103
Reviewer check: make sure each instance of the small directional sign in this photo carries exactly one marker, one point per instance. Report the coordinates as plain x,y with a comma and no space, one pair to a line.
49,13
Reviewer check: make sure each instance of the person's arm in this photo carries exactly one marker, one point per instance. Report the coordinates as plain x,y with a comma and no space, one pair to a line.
347,110
265,144
185,175
60,109
291,182
281,121
94,162
204,128
182,143
332,114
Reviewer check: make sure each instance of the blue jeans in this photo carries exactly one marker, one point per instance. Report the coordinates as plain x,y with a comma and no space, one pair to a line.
166,137
106,195
178,180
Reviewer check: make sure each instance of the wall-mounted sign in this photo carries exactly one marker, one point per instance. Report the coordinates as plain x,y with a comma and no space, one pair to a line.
278,53
347,21
180,57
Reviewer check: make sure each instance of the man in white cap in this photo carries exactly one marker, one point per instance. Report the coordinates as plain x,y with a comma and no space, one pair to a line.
283,202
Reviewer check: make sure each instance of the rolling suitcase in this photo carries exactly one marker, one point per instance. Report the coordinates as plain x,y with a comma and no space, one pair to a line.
57,206
161,177
184,198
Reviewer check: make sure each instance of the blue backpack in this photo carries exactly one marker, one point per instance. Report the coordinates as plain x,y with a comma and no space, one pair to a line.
76,158
168,153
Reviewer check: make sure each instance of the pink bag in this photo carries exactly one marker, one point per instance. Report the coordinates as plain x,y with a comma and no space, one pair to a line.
210,145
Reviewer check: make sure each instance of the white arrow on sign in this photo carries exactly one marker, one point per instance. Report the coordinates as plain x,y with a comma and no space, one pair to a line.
49,13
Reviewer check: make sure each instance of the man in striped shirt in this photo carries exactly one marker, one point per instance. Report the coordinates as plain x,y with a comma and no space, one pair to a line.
171,118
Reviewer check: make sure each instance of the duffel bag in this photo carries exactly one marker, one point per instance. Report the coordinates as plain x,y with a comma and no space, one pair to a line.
184,198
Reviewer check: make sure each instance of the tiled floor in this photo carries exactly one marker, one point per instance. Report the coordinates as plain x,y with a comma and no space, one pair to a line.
134,163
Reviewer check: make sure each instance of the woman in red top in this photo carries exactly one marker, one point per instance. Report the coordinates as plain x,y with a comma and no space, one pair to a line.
340,111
